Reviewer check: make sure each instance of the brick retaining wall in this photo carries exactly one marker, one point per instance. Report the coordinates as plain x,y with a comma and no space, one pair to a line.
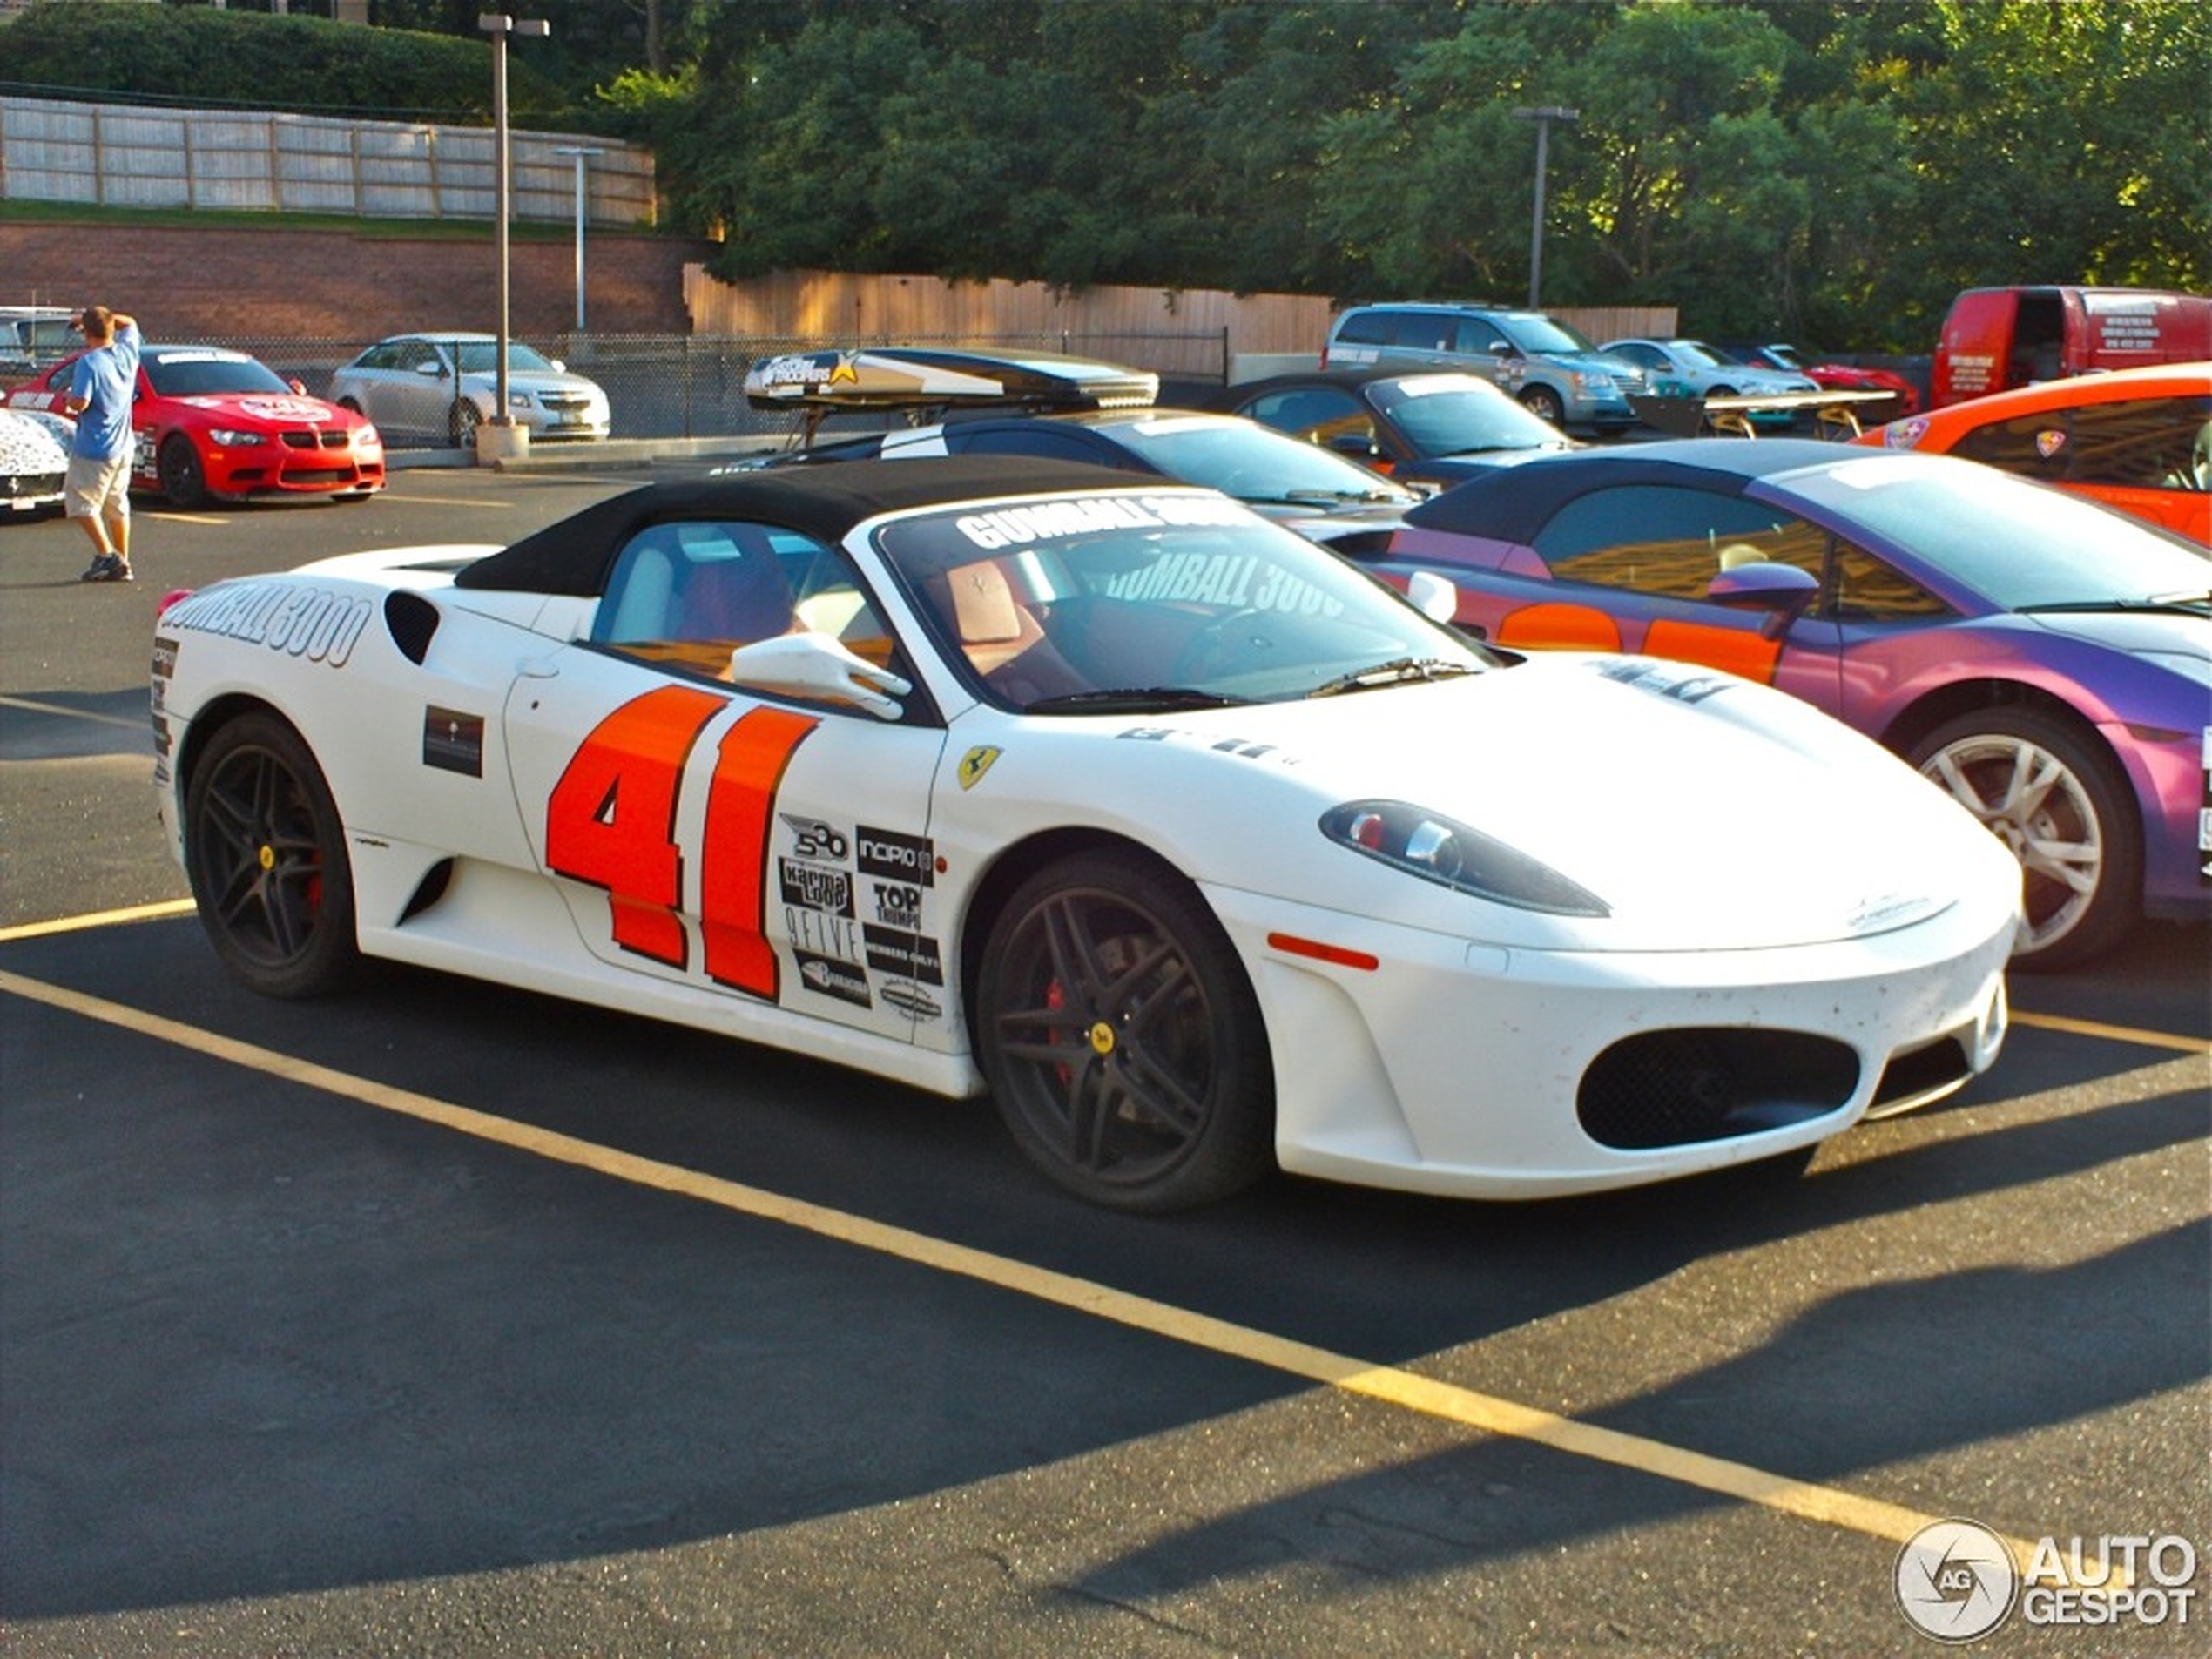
184,284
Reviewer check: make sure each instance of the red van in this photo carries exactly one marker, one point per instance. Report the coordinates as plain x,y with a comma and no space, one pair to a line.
1996,338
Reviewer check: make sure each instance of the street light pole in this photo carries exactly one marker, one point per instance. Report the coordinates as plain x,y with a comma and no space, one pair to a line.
499,26
580,151
1543,117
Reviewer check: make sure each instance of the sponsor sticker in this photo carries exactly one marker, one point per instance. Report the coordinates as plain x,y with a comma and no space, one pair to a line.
815,887
453,741
894,857
908,955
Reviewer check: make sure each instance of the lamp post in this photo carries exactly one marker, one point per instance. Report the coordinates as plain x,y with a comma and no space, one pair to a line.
1543,117
500,436
580,151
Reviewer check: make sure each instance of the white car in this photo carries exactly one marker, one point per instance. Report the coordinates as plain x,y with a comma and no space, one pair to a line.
1691,368
1197,849
34,459
444,386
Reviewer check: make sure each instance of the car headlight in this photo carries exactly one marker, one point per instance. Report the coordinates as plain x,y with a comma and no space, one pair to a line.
519,400
233,440
368,437
1443,849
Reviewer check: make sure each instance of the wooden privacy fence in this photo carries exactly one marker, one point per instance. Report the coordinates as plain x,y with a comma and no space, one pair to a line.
119,155
1180,332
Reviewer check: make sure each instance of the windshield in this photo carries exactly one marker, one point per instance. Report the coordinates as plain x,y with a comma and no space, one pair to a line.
203,374
1151,600
1253,462
1453,414
1697,352
482,357
2016,545
1534,334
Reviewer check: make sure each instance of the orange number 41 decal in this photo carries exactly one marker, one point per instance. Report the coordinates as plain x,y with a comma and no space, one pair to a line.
611,822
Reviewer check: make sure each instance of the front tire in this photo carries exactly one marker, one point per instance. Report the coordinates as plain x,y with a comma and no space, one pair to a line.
1542,402
182,479
266,857
462,421
1121,1037
2057,797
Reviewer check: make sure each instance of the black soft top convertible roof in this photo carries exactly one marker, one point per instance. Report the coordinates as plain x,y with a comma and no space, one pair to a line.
1512,503
574,556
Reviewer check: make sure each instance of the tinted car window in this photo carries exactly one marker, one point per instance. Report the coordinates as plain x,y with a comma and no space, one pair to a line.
1366,329
1655,539
2147,444
1861,588
200,374
1316,413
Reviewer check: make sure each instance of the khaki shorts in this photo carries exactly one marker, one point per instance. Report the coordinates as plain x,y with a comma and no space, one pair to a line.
98,489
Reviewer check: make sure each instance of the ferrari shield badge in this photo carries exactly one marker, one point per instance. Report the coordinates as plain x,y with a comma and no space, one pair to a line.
974,764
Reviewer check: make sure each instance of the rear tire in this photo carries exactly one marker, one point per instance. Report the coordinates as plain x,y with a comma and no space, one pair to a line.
267,857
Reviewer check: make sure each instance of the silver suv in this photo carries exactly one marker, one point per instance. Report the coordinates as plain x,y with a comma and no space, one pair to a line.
1544,363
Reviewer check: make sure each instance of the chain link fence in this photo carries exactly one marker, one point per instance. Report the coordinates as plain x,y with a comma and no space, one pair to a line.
693,386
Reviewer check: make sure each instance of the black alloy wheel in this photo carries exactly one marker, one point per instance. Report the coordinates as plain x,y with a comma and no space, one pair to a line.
266,857
1121,1037
183,480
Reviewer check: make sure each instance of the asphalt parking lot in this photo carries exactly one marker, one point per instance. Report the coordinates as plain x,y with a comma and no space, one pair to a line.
443,1319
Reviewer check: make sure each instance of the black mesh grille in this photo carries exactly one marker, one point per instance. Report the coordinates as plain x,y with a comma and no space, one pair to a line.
1679,1087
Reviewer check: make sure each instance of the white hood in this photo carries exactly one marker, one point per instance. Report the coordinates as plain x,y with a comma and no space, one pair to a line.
1705,811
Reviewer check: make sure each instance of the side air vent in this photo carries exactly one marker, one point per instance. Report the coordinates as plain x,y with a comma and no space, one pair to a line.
411,620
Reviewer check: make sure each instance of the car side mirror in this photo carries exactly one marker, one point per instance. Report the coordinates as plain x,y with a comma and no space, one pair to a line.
1352,444
560,367
431,370
1435,596
814,664
1782,591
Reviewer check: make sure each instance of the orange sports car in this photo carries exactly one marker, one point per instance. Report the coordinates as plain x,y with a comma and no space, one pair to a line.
2137,439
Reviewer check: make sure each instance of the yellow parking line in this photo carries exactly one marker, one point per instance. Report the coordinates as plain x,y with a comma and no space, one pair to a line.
34,706
1391,1384
412,499
97,919
2112,1032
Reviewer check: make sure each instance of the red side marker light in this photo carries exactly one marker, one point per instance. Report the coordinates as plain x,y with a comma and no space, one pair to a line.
1292,945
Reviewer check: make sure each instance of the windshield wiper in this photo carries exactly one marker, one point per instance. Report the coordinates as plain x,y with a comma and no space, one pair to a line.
1134,697
1502,448
1334,497
1394,672
2185,603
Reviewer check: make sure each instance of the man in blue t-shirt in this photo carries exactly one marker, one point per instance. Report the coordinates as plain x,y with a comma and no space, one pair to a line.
101,386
